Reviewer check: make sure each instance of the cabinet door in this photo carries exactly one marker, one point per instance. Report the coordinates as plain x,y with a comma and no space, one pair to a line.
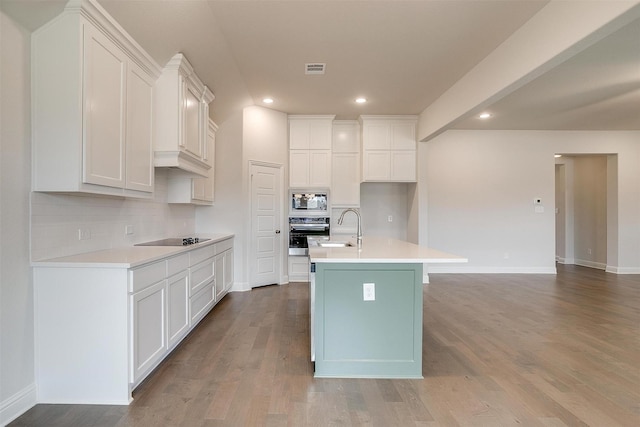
228,270
319,168
345,177
298,135
192,121
149,328
376,165
201,303
403,166
178,307
220,290
403,135
203,188
298,269
299,168
320,135
346,137
376,136
104,108
139,125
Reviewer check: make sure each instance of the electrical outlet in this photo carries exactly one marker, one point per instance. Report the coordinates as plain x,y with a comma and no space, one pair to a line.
390,218
84,234
369,291
128,229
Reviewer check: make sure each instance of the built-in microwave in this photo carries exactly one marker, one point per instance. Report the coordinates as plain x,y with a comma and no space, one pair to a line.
308,203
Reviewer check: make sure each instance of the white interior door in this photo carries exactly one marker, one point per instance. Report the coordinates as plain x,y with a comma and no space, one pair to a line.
266,253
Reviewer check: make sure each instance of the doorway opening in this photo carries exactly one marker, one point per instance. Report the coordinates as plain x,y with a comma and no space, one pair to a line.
586,210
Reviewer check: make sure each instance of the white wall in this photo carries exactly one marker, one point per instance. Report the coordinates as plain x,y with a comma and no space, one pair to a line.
378,201
258,134
481,186
17,388
590,207
227,214
266,140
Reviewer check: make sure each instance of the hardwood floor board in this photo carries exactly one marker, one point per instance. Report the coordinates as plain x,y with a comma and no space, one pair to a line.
222,400
388,390
585,371
408,391
576,403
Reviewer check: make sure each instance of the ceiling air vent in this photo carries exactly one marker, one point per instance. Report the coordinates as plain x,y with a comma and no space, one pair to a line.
314,68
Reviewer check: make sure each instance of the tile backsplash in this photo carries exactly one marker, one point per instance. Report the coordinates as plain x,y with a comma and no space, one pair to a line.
57,220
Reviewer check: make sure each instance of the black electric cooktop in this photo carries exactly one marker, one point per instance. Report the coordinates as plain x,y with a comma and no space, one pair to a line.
174,241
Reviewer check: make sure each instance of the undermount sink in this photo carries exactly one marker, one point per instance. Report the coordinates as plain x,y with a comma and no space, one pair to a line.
330,244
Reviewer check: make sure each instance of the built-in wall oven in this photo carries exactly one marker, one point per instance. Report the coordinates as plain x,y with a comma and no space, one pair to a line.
302,227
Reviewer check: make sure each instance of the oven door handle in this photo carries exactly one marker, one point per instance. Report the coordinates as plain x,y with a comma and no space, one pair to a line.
309,227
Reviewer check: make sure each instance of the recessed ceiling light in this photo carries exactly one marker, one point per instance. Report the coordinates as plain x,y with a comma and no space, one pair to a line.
268,100
484,116
361,100
557,155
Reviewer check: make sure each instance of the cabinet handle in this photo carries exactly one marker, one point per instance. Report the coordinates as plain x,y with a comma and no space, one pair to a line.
277,231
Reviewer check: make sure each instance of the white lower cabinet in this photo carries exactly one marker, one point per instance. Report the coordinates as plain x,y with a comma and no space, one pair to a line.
202,302
177,307
148,308
298,269
99,331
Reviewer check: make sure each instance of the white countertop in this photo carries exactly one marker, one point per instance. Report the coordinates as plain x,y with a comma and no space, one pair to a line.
382,249
126,257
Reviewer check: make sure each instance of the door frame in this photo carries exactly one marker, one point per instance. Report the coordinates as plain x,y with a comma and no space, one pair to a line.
251,255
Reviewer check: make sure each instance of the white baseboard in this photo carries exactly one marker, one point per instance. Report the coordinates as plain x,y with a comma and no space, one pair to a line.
622,270
460,269
240,287
561,260
18,404
591,264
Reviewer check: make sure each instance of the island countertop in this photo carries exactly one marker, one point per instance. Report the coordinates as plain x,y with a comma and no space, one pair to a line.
379,250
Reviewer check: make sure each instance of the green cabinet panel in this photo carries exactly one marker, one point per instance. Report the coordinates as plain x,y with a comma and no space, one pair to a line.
358,338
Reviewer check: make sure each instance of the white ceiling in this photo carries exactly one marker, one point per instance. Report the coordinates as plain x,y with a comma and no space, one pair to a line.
399,54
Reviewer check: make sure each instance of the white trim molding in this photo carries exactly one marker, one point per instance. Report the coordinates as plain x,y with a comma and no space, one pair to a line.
622,270
18,404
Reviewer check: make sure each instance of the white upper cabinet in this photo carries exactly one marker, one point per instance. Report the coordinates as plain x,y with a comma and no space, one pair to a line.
182,118
92,112
345,163
310,151
196,191
389,148
310,132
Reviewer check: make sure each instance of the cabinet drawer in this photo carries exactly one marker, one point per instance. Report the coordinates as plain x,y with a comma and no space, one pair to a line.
201,274
177,264
201,303
224,245
199,255
142,277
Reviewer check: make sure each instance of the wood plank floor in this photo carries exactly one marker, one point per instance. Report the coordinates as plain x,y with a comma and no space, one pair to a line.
499,350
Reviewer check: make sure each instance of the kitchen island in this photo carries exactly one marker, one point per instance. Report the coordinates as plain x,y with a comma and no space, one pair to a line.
366,307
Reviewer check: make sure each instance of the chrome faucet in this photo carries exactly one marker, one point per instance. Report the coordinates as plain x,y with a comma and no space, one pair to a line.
357,212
